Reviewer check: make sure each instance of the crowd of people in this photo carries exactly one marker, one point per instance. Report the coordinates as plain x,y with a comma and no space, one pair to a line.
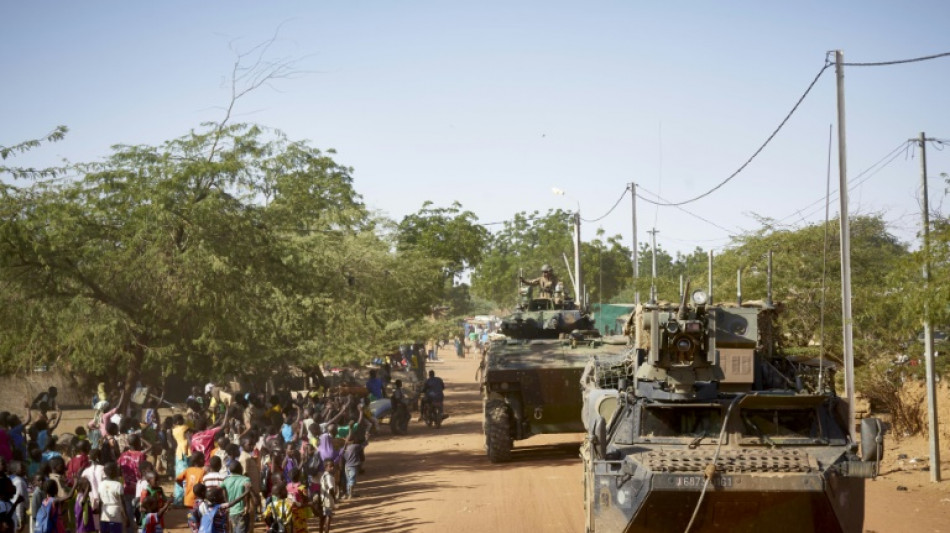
232,460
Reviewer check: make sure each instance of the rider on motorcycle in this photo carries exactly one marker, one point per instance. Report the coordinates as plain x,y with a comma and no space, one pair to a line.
433,390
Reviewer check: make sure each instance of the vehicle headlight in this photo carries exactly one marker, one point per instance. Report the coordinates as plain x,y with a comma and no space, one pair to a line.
684,344
700,297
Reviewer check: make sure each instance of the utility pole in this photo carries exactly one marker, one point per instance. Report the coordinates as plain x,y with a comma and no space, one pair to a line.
636,252
846,321
653,233
928,332
578,278
739,287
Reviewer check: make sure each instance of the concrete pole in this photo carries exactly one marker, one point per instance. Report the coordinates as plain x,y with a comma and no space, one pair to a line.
653,233
636,251
578,277
928,332
846,321
739,287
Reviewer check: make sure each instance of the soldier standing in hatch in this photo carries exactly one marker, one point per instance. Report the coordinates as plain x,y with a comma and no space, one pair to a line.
547,282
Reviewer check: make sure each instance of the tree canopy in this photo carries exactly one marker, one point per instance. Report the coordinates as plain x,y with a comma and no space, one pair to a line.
226,249
234,248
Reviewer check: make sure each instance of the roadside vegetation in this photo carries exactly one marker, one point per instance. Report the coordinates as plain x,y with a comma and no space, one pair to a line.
234,248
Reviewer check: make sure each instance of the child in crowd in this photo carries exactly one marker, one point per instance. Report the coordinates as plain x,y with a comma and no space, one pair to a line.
21,494
113,516
9,500
327,496
291,462
83,508
46,518
199,506
300,505
279,509
193,475
213,477
153,514
216,512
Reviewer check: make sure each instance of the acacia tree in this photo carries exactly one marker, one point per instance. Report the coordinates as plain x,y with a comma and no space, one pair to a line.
452,238
224,250
447,234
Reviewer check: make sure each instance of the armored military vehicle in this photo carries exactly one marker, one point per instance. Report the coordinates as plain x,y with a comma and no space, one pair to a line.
533,386
703,425
544,318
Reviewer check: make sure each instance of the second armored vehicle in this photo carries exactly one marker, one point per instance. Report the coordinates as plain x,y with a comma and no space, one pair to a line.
531,387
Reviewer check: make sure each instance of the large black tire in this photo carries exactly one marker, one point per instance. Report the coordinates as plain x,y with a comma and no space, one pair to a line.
497,432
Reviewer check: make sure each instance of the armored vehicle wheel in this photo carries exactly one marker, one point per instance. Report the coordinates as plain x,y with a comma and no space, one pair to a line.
497,432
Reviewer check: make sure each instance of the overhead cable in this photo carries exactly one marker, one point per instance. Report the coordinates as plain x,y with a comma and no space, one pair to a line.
690,213
598,219
898,61
756,153
854,181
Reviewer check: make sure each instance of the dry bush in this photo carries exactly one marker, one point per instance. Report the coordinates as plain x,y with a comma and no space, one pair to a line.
891,391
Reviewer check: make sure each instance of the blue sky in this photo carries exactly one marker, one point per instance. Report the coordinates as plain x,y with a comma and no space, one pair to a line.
494,103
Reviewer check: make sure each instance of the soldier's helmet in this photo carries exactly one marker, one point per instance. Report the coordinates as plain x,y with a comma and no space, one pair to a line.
546,268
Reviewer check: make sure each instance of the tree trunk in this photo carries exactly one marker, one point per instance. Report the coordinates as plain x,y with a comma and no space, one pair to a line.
321,379
133,372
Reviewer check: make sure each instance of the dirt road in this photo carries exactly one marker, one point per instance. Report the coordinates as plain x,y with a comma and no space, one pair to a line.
440,480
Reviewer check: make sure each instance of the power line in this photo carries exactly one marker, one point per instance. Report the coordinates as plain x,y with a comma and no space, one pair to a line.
898,61
756,153
851,187
857,183
892,155
598,219
690,213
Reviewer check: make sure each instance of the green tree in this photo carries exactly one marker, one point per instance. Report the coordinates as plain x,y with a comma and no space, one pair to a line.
524,243
530,240
452,238
607,267
228,250
448,234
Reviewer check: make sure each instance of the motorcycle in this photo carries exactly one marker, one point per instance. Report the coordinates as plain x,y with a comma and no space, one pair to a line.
432,412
